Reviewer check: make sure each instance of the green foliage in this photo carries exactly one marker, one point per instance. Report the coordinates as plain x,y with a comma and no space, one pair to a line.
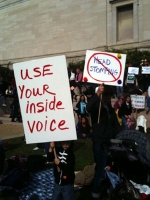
134,56
7,75
75,65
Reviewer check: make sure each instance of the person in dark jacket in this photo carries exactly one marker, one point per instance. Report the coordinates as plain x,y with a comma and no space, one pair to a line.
15,110
125,111
83,129
105,126
63,170
89,91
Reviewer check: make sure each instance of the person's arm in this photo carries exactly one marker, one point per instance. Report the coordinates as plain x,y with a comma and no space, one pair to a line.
50,154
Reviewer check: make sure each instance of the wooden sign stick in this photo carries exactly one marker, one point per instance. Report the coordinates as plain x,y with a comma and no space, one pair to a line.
99,108
58,169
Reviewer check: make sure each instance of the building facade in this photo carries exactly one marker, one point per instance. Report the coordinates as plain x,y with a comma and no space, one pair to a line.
32,29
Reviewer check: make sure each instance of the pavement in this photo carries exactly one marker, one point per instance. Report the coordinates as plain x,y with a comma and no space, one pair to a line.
10,129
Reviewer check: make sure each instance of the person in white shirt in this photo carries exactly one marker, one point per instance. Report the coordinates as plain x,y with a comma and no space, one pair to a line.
72,76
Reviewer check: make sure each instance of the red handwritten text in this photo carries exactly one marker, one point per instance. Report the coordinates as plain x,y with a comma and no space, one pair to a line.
46,126
43,106
37,72
27,93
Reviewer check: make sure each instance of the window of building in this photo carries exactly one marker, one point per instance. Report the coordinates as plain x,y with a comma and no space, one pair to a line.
125,22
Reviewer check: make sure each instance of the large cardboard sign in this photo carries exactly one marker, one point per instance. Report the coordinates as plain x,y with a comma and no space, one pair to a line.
45,100
138,101
104,67
133,70
146,70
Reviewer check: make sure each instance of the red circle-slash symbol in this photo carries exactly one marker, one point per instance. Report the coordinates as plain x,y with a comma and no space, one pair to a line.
106,54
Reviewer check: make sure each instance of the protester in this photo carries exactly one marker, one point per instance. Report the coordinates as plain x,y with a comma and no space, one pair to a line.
13,85
83,129
76,92
80,108
130,86
9,91
119,102
119,90
89,91
148,99
72,75
145,77
104,126
117,106
2,97
137,91
63,170
125,111
78,78
15,110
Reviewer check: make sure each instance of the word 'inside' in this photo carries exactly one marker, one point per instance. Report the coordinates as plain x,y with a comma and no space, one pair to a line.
43,106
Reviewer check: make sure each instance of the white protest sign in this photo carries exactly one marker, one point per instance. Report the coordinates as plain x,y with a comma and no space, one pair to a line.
45,100
130,78
138,101
104,67
146,70
133,70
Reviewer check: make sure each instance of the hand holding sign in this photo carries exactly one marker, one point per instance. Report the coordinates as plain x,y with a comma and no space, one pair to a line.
56,160
100,90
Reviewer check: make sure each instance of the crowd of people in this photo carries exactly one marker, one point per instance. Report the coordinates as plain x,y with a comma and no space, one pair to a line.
96,118
11,94
82,92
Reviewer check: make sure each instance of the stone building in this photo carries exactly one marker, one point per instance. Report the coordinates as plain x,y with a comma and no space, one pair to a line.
31,29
